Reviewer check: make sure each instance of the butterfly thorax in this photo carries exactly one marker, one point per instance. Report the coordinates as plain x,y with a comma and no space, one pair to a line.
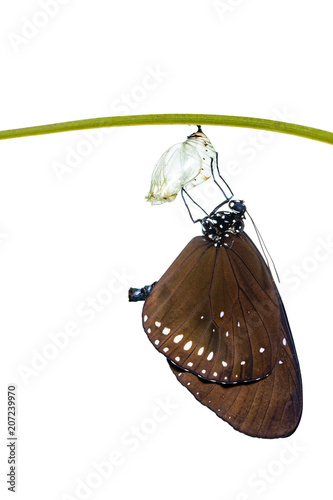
219,226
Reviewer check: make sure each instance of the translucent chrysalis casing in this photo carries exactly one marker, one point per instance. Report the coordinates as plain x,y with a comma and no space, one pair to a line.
186,164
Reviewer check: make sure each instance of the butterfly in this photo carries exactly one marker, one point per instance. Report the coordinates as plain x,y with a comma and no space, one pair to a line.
216,313
217,316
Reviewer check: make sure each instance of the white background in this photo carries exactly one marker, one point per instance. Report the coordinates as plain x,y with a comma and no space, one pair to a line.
64,238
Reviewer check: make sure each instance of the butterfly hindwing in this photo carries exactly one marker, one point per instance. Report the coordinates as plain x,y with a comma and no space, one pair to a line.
268,408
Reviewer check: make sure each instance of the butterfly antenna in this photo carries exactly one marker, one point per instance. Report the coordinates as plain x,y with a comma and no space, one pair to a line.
183,191
264,247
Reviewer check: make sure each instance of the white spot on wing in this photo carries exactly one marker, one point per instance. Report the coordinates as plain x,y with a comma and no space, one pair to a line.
201,350
145,318
210,356
188,345
165,331
157,323
224,363
178,338
221,314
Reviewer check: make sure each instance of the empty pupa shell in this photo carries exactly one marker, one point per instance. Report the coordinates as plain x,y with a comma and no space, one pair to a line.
186,164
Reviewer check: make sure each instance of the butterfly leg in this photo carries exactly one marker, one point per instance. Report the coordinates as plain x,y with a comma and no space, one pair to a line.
224,181
183,190
227,199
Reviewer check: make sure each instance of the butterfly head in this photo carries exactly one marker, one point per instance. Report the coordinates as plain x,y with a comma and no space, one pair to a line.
237,206
219,226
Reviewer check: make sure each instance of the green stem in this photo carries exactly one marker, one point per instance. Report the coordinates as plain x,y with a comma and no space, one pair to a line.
173,119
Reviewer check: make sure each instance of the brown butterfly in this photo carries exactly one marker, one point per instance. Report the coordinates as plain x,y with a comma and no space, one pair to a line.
217,316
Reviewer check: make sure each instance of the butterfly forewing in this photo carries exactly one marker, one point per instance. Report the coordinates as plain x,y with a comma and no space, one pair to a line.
268,408
215,312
